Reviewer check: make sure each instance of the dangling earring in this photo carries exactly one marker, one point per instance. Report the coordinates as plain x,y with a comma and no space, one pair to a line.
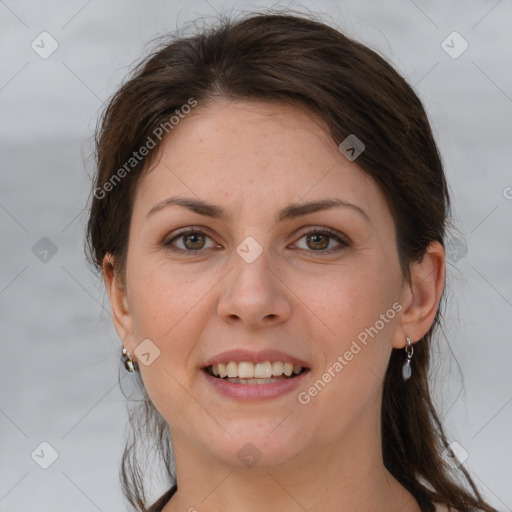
406,368
127,360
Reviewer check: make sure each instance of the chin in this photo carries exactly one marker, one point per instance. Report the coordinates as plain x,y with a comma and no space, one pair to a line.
264,447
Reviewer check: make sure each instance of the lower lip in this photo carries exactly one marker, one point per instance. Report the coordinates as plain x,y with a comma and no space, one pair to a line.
255,391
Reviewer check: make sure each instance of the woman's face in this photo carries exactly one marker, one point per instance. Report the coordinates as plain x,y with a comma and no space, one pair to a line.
255,284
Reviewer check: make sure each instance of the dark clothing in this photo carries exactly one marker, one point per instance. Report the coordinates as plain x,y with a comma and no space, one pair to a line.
162,501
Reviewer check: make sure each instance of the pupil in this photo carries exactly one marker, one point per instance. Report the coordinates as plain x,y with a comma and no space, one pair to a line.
315,238
195,238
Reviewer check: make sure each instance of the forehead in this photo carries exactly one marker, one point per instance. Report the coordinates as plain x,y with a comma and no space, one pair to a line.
253,153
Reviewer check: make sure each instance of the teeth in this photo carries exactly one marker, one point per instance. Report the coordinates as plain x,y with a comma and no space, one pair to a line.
248,370
253,381
232,369
277,368
262,370
245,370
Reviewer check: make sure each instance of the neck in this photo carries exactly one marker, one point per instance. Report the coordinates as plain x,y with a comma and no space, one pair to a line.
348,476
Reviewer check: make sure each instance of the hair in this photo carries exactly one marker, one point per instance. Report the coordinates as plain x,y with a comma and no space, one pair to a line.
297,60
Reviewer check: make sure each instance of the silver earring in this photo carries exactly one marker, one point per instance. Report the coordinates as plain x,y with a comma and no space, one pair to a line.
406,368
127,360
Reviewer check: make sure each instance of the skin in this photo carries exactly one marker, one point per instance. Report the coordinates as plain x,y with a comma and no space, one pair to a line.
254,158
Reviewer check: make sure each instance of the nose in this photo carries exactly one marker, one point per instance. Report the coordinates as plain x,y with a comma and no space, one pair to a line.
254,295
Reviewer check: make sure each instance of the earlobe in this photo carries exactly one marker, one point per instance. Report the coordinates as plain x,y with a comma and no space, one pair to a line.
118,303
421,295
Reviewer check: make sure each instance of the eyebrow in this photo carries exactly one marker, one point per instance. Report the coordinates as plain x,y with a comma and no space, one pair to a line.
291,211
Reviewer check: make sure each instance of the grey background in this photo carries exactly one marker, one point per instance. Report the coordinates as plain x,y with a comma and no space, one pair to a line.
59,358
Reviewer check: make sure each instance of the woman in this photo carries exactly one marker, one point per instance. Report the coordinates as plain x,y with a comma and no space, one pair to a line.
269,213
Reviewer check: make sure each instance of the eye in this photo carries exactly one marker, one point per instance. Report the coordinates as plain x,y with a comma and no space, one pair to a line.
191,240
323,240
320,240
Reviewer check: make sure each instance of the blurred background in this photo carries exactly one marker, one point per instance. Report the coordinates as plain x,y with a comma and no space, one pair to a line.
62,413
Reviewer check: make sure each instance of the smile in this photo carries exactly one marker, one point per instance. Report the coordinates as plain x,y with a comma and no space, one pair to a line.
254,381
247,372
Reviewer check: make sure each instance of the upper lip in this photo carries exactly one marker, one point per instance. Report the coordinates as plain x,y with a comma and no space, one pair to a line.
255,357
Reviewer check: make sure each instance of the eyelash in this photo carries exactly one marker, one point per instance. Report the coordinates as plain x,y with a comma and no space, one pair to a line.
343,243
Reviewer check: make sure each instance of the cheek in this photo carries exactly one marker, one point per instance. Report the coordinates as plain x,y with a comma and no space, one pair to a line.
167,308
360,310
357,307
171,309
352,299
164,302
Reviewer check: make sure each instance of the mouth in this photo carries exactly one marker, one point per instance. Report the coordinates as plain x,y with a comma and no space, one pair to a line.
249,373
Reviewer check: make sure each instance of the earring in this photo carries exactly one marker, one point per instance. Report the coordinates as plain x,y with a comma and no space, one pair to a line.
127,360
406,368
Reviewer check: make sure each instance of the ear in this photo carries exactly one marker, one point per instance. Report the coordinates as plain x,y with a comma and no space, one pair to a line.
421,296
118,304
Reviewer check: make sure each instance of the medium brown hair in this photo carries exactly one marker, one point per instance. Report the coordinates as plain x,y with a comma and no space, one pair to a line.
303,62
